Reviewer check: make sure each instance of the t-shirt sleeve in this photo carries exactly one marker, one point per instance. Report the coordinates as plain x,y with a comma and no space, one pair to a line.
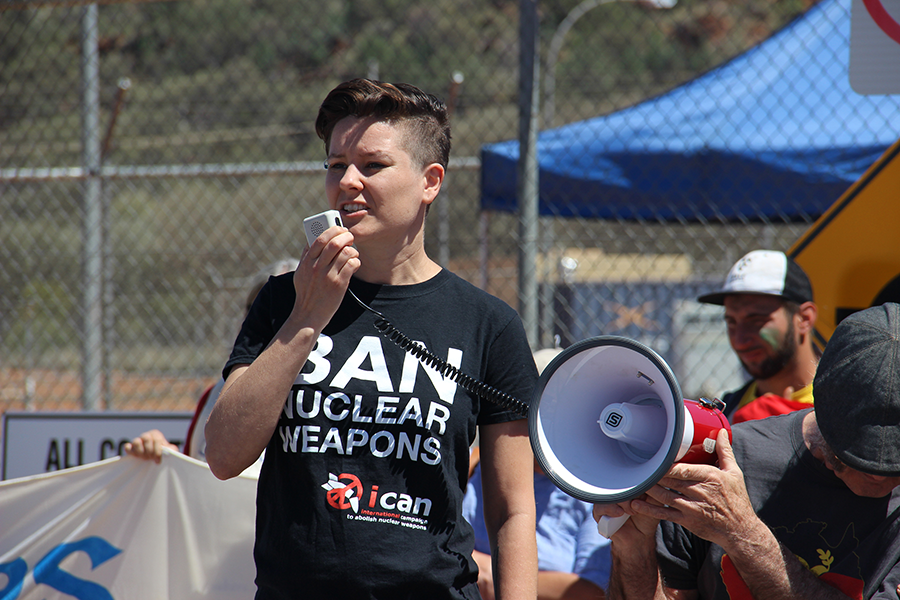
680,555
510,369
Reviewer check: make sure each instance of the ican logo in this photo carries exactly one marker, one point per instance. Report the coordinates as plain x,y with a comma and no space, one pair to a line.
346,491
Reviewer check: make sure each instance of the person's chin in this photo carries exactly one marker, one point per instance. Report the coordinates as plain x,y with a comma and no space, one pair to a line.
870,491
753,369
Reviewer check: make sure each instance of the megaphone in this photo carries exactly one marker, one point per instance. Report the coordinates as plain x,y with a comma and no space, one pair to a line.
608,420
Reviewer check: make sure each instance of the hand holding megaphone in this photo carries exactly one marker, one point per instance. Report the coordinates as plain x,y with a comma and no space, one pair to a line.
607,421
611,517
607,526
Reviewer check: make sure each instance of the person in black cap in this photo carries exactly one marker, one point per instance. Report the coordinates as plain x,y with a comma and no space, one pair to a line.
801,505
770,315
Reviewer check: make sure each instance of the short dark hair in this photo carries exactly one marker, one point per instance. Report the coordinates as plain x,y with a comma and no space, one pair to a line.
424,115
790,307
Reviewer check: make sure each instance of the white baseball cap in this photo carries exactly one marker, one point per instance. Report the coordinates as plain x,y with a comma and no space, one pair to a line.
767,273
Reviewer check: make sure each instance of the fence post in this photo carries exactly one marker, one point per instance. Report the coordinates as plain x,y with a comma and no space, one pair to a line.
529,101
92,233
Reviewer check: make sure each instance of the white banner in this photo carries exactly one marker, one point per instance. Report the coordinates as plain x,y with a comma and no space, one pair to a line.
130,529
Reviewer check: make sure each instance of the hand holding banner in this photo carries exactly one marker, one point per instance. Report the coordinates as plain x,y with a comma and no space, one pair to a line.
127,528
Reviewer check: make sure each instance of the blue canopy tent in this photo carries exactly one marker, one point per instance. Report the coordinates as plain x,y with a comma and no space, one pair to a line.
776,134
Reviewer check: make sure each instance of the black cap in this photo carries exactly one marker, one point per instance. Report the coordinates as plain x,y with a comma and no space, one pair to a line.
857,391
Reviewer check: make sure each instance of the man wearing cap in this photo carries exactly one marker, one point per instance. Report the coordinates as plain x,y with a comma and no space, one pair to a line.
770,314
801,505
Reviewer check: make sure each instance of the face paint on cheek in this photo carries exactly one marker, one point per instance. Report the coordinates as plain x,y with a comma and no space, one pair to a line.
772,337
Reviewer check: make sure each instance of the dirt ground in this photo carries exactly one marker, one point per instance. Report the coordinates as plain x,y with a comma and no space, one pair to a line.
51,390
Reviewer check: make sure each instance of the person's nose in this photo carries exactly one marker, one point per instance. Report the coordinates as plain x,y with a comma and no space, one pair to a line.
742,336
351,179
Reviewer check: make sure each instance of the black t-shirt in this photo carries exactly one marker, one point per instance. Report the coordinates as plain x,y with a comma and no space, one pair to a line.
361,488
849,541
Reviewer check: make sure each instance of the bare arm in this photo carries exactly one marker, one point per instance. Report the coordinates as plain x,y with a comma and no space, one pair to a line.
635,570
247,411
551,585
712,502
636,576
507,472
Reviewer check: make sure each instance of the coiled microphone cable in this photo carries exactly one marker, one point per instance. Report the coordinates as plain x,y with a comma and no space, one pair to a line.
467,382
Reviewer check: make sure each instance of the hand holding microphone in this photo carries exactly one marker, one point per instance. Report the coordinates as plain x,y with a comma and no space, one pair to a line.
316,225
325,269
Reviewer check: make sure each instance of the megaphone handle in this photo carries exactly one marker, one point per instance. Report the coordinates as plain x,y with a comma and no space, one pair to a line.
607,526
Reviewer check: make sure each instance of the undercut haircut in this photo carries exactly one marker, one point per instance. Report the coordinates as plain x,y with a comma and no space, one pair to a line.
423,116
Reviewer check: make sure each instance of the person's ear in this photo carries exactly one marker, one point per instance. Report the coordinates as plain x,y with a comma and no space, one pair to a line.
807,317
434,177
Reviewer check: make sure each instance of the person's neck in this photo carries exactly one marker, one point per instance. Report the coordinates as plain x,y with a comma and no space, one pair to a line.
404,268
797,374
812,437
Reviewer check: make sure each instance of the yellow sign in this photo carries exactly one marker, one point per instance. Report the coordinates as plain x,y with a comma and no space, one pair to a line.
852,252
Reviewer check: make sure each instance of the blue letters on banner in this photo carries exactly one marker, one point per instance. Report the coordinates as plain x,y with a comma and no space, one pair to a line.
47,571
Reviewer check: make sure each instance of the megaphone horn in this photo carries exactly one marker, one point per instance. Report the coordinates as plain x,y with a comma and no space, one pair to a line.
608,420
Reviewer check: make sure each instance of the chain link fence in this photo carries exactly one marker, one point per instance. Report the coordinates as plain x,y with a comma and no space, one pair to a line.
157,157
